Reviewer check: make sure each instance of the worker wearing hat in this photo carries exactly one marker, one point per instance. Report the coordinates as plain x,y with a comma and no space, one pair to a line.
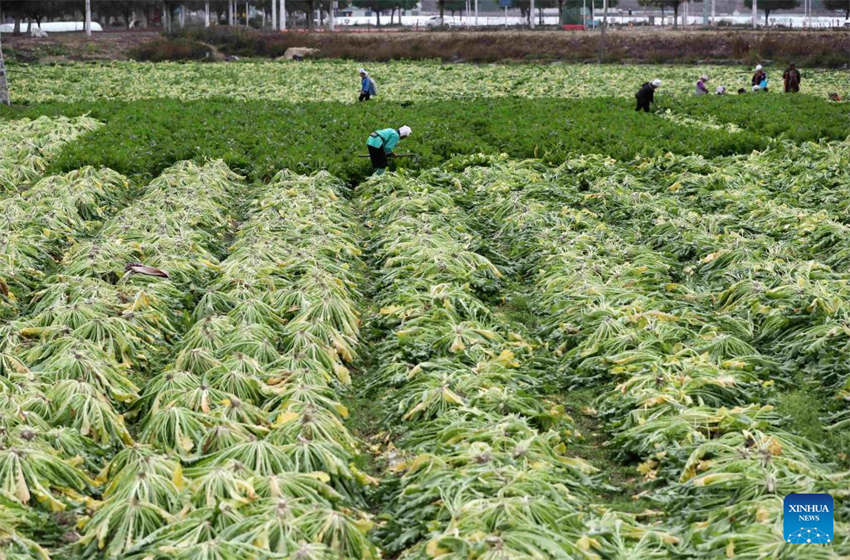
646,94
759,79
381,144
367,86
702,89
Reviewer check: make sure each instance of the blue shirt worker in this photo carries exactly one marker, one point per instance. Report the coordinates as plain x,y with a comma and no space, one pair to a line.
368,89
381,144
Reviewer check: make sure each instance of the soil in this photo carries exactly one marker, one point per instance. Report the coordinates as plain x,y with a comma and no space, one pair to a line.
66,47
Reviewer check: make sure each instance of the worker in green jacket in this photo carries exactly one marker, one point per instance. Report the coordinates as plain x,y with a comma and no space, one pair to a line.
381,144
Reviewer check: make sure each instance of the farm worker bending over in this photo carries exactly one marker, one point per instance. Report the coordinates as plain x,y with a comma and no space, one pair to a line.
702,89
381,144
792,79
759,79
646,95
367,86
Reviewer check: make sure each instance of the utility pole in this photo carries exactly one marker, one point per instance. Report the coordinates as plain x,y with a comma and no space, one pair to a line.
531,14
604,30
246,14
705,12
476,13
331,22
88,17
207,13
755,14
274,15
182,19
283,15
4,84
687,11
713,18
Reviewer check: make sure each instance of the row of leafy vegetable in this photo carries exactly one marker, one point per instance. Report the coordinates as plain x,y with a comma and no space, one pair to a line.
671,307
478,460
337,80
89,337
236,443
29,144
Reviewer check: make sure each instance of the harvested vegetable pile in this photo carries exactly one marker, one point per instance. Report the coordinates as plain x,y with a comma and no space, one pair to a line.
309,81
28,146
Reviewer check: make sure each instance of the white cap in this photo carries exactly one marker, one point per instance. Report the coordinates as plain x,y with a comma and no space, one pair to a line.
404,131
704,78
655,83
363,71
756,88
758,66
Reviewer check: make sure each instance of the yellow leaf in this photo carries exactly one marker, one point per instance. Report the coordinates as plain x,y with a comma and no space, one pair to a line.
365,525
457,345
363,478
433,548
320,475
451,397
507,359
774,447
285,418
730,549
177,478
647,466
21,490
342,373
586,542
186,443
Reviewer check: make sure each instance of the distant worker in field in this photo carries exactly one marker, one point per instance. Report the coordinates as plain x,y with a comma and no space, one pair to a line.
368,89
646,95
759,79
721,90
792,79
381,144
702,89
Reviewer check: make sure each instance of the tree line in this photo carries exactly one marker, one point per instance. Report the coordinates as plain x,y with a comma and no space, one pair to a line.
123,12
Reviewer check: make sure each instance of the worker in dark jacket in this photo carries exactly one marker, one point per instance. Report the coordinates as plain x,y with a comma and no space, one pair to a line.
792,79
646,95
759,78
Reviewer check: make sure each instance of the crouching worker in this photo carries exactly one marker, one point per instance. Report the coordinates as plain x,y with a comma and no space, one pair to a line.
646,95
381,144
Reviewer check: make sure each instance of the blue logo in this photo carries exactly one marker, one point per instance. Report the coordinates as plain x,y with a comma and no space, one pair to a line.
808,518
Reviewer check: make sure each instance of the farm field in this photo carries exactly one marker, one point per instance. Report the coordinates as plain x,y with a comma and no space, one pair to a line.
312,81
566,330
